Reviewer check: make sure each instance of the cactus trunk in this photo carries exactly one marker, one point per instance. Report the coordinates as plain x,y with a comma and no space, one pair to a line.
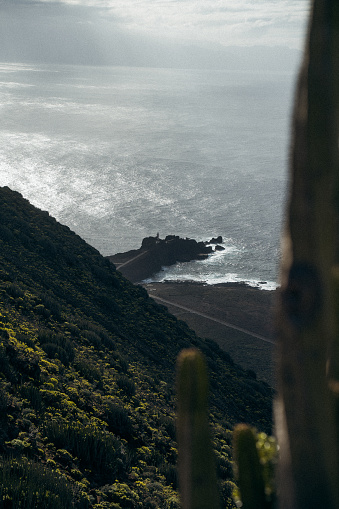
307,328
197,474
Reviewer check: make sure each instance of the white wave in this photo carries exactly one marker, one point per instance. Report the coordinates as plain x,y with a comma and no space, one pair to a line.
167,275
13,84
14,67
234,278
211,271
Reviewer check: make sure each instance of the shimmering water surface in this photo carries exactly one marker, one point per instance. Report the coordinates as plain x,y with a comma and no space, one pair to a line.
118,154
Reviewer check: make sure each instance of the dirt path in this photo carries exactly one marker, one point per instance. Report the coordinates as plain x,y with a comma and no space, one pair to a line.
226,324
237,317
120,265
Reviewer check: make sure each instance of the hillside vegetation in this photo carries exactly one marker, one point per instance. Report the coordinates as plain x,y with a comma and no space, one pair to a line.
87,377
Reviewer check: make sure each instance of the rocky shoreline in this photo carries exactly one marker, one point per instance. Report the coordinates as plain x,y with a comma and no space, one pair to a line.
155,253
208,308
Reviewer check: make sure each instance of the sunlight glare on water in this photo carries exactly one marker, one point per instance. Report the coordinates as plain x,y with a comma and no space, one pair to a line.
118,154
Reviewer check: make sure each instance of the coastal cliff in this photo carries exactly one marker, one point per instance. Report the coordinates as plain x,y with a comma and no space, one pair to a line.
155,253
87,377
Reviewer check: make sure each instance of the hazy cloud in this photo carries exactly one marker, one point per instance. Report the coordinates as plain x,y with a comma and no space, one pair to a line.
116,31
195,19
220,21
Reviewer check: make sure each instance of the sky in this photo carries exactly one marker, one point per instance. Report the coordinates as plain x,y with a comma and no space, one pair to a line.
143,32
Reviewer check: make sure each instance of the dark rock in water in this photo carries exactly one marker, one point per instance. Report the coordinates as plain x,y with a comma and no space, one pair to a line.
219,248
217,240
155,253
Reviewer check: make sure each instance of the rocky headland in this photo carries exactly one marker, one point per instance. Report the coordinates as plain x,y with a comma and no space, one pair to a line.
155,253
222,312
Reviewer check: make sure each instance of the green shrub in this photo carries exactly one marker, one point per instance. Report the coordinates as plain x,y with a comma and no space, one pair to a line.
4,334
118,420
224,468
170,473
120,363
56,352
90,445
56,346
73,329
93,338
169,425
5,233
64,457
51,304
123,495
25,338
126,384
48,247
28,485
107,341
88,370
5,367
24,361
42,311
14,290
109,304
33,395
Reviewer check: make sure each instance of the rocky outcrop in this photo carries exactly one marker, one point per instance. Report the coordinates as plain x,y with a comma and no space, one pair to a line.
217,240
155,253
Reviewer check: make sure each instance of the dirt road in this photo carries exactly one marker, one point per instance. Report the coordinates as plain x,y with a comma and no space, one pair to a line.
237,317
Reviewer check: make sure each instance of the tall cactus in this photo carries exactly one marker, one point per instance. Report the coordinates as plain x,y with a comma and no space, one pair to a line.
306,409
197,473
249,470
308,329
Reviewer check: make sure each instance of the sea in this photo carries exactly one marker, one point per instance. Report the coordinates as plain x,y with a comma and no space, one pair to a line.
121,153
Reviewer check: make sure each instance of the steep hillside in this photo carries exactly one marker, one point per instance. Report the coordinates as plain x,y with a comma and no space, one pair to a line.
87,372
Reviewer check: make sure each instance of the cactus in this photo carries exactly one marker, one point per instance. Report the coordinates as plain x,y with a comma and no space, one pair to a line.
306,410
255,458
197,472
248,468
307,406
308,336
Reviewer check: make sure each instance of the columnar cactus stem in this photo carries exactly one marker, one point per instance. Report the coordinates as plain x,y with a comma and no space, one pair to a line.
307,328
197,473
248,468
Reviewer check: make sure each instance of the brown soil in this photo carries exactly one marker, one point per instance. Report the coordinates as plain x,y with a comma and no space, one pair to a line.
225,306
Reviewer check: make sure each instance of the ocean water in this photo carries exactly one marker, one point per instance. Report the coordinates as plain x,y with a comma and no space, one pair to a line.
121,153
